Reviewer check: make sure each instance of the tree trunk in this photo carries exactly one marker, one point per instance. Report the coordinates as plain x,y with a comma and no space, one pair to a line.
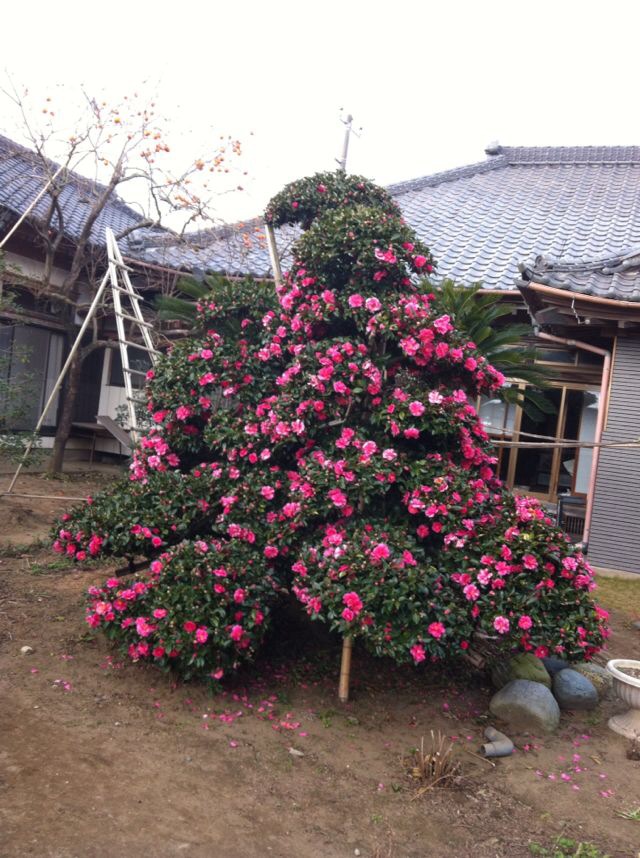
63,430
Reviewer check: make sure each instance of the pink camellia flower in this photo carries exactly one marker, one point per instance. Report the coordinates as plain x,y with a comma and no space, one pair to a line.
471,592
501,625
239,596
202,635
529,562
159,613
436,630
471,363
525,622
183,412
380,551
337,498
353,601
389,455
372,305
267,492
369,448
143,627
217,674
271,551
420,261
417,653
435,398
443,324
348,615
189,626
484,576
158,652
355,301
416,408
236,633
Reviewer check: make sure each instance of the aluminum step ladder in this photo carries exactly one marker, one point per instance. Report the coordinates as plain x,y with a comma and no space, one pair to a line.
117,276
122,293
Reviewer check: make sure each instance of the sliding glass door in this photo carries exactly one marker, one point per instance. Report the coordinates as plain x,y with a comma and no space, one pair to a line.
547,468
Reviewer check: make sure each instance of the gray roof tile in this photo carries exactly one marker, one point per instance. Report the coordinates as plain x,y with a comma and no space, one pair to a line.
22,177
579,205
482,220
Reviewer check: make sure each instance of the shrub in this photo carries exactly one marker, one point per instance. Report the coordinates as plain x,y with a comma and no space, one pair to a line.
325,441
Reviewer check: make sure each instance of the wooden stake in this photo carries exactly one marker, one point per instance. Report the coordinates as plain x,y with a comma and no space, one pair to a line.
345,670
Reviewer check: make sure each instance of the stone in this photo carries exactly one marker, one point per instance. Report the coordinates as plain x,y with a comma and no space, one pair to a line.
526,705
600,677
636,625
553,664
26,650
522,666
574,691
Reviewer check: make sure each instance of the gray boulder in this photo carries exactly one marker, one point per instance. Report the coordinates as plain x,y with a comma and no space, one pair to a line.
526,705
553,664
572,690
522,666
600,677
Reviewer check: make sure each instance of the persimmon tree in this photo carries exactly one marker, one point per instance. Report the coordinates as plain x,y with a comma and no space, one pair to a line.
348,468
111,150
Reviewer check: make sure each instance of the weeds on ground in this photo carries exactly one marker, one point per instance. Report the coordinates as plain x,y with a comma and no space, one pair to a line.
565,847
633,815
8,549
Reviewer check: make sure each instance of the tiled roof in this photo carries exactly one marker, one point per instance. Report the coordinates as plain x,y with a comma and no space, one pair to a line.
236,250
579,205
22,177
481,221
615,277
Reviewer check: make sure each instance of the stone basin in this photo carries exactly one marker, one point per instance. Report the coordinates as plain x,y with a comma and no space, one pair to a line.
626,684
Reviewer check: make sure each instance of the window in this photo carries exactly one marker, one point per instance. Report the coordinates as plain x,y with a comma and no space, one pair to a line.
138,359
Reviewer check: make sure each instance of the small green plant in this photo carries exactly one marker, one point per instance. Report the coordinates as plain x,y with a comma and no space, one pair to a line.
634,815
565,847
327,717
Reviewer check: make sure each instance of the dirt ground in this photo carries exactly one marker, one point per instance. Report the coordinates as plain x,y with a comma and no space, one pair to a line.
101,758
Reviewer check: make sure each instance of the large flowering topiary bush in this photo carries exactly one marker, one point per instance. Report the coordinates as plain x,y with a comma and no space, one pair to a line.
322,442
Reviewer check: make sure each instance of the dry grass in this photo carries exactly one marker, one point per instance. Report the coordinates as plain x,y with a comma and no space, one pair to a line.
621,594
435,766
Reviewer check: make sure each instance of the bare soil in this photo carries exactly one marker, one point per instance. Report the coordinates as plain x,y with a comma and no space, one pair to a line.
100,757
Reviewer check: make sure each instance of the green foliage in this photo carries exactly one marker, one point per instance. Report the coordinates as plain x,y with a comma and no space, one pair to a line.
322,440
566,847
306,199
483,318
199,611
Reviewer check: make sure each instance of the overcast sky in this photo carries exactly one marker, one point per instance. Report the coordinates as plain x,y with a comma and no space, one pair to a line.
431,84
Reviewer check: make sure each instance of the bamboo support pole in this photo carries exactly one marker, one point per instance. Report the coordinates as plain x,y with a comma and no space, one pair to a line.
273,255
345,669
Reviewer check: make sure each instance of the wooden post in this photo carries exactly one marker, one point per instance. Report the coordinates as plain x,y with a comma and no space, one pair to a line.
345,669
